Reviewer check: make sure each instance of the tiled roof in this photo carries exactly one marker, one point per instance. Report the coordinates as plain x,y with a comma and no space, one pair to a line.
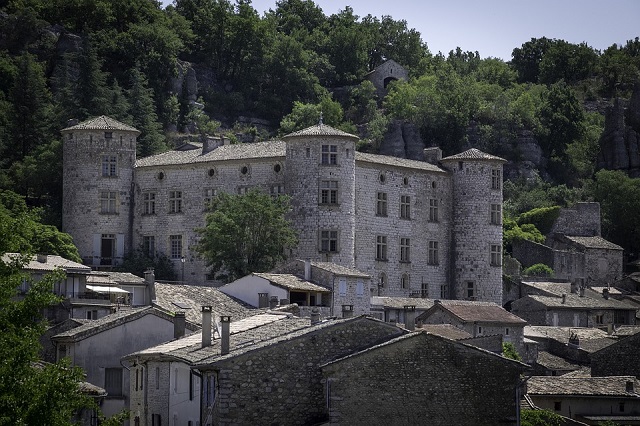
582,386
485,313
340,270
91,389
110,321
553,362
401,302
101,123
473,154
593,242
396,162
446,330
573,301
320,130
591,339
100,278
292,282
51,262
191,298
551,288
125,278
244,332
241,151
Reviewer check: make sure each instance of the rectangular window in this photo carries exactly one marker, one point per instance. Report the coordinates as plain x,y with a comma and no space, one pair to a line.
381,247
381,204
342,287
496,255
496,179
329,192
329,241
329,154
113,381
149,245
109,165
156,420
175,201
108,135
405,250
277,190
209,194
599,319
359,288
433,210
444,291
557,405
175,243
149,203
471,290
432,254
405,207
496,214
108,202
243,190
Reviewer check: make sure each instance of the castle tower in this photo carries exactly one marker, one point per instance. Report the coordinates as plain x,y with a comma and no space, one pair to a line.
98,159
477,225
320,178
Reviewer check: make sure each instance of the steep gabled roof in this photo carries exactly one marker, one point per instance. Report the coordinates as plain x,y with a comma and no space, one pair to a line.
101,123
593,242
291,282
48,263
473,154
481,313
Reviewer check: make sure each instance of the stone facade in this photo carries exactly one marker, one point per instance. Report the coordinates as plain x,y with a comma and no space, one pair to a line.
422,378
416,228
279,381
384,74
620,359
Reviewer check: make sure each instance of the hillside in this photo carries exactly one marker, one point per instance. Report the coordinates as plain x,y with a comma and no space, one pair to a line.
559,112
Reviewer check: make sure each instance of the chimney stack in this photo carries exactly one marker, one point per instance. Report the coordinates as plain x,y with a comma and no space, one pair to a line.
273,302
315,316
564,298
206,326
432,155
224,342
347,311
263,300
179,325
42,258
605,293
150,281
410,317
629,387
307,270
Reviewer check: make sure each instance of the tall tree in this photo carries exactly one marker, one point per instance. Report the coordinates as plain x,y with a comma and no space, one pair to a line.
145,119
246,233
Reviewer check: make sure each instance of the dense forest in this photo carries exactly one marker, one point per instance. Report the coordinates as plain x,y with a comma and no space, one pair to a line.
130,59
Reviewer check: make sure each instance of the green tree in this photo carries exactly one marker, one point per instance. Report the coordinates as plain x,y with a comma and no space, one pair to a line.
246,233
538,270
151,140
540,418
527,58
509,351
305,115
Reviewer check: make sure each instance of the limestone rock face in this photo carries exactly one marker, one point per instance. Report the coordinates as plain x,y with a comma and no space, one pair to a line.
620,141
403,140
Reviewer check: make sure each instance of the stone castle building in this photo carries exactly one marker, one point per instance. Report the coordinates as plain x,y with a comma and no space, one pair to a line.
419,228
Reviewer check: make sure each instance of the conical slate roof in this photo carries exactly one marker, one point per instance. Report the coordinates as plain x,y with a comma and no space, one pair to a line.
101,123
473,154
319,130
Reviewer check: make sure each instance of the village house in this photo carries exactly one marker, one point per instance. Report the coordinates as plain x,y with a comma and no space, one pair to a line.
621,358
96,346
478,319
386,73
573,344
164,389
585,309
591,400
421,378
433,228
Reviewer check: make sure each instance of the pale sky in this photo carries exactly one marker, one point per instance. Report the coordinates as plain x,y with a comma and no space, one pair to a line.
495,27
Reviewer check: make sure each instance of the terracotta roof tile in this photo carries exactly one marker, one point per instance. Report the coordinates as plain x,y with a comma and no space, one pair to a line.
473,154
101,123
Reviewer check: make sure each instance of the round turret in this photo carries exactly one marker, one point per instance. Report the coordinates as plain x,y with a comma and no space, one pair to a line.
98,159
477,225
320,178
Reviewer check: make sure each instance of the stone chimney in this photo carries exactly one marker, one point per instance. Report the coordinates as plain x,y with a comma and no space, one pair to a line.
206,326
225,321
72,122
315,316
347,311
42,258
179,325
150,281
263,300
307,270
564,298
410,317
273,302
630,388
432,155
605,293
575,285
210,143
581,291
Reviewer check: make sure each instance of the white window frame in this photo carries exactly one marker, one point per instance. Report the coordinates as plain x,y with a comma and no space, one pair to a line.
175,202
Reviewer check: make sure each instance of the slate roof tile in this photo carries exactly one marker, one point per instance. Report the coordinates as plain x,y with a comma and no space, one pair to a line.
101,123
582,386
473,154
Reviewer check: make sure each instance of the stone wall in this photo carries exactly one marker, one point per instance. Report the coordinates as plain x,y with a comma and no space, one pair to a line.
580,220
281,383
530,253
423,379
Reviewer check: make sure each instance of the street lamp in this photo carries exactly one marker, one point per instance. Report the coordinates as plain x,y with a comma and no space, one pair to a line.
182,260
